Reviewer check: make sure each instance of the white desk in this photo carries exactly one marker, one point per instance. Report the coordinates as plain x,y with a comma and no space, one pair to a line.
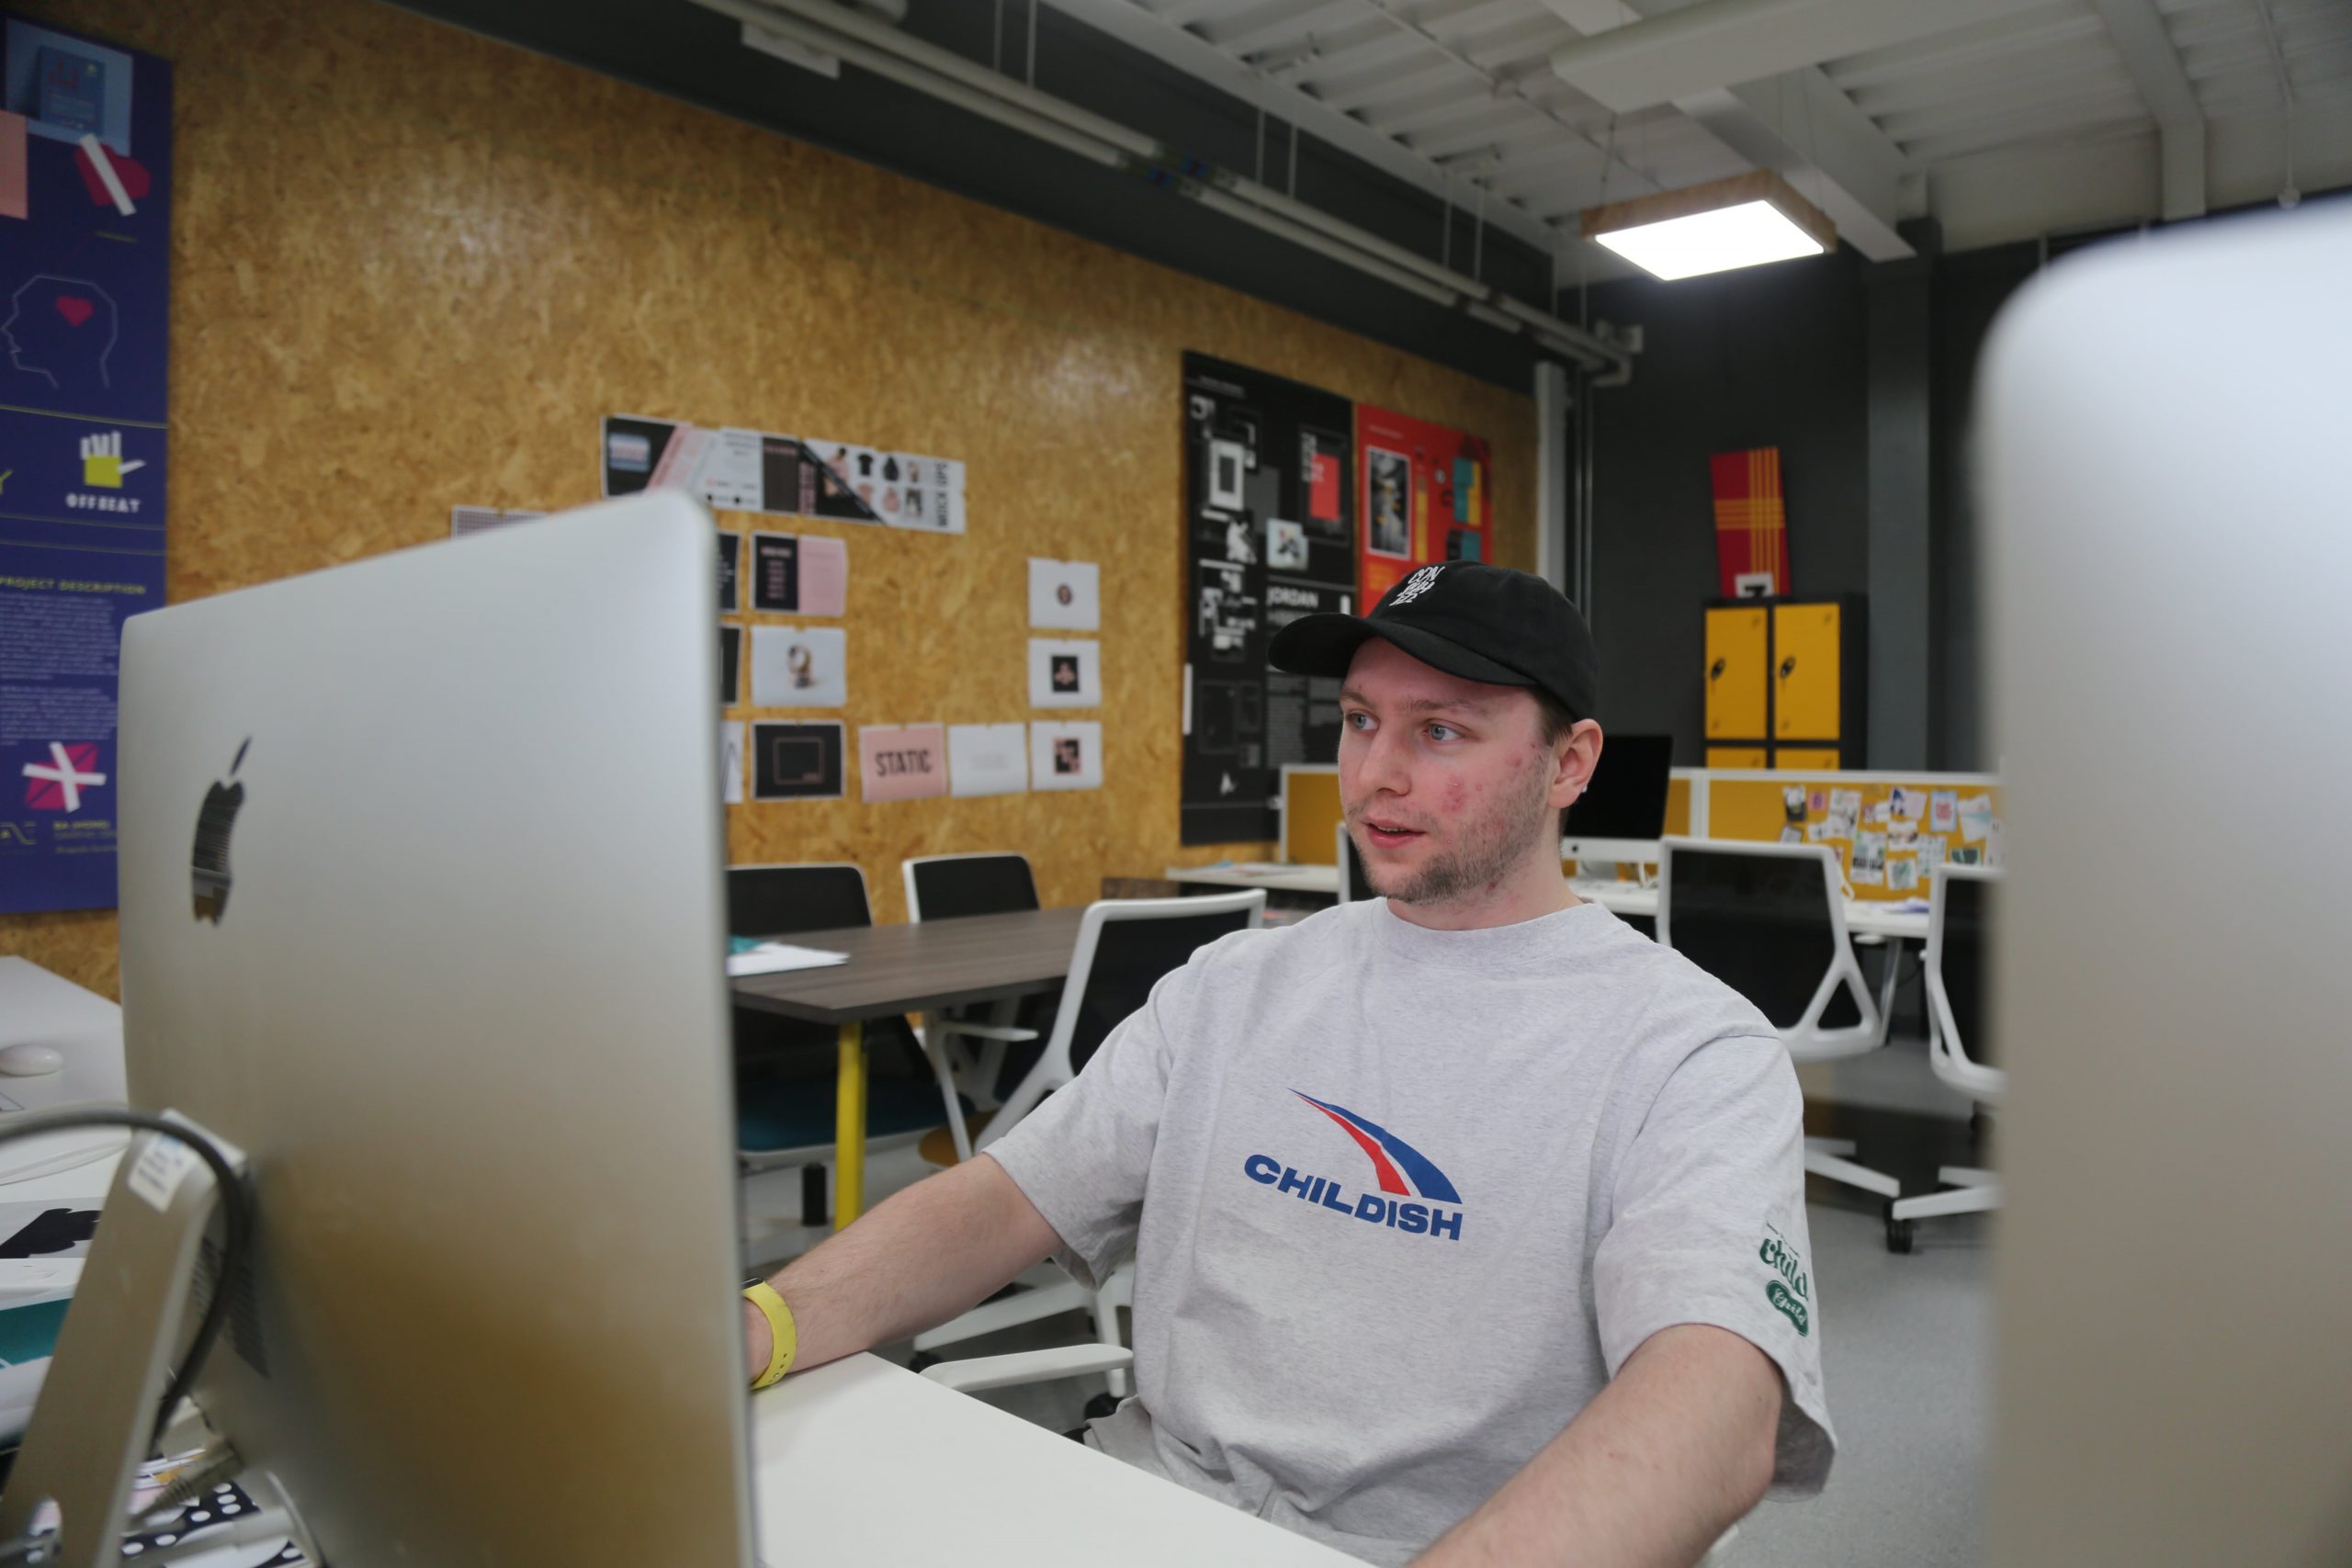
1876,921
38,1008
836,1451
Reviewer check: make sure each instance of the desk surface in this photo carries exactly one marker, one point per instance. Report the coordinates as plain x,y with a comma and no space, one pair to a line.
38,1008
921,967
836,1451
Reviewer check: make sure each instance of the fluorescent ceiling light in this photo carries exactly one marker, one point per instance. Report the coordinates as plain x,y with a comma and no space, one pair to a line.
1742,221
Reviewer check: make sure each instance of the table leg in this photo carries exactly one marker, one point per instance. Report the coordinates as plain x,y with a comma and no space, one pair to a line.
848,1127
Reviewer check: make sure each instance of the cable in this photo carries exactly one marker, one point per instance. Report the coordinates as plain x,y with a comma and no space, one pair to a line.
234,1199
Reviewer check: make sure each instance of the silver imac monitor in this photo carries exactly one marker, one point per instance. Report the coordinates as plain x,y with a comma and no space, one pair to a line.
2162,425
421,889
1622,814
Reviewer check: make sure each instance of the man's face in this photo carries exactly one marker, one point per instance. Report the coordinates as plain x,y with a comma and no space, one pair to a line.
1446,783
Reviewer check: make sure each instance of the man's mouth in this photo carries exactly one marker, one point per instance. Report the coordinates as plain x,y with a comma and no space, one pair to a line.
1388,836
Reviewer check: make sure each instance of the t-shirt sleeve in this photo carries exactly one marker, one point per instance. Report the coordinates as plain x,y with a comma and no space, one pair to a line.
1709,1226
1081,1157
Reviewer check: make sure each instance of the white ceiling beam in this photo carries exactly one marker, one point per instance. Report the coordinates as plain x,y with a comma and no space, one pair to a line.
1718,44
1198,58
1997,41
1797,123
1242,36
2138,29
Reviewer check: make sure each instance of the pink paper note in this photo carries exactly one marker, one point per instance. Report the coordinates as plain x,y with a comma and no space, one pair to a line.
824,576
12,167
902,763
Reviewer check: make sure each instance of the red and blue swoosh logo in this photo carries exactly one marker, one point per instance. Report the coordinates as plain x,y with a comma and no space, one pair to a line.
1395,1162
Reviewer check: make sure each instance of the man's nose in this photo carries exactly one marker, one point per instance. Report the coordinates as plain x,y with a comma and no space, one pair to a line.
1384,767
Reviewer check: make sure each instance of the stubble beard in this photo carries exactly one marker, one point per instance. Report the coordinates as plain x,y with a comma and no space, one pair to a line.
1490,853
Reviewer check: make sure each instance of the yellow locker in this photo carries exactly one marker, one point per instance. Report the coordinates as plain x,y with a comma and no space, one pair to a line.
1738,653
1806,656
1735,757
1812,758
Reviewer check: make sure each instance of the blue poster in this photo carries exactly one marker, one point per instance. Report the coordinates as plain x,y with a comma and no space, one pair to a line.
85,218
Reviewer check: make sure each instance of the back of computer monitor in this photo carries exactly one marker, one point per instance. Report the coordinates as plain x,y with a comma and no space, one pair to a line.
1622,814
2164,488
421,907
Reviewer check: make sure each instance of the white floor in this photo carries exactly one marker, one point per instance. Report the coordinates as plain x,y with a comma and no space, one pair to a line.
1906,1340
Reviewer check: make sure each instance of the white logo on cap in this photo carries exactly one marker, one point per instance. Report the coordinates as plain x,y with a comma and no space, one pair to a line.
1420,583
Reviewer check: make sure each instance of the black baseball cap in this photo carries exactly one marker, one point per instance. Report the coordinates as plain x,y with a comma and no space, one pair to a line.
1480,622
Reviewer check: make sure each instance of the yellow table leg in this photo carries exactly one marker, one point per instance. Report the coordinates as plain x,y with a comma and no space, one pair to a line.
849,1128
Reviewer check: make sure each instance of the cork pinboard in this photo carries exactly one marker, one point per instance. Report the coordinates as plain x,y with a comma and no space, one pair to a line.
413,268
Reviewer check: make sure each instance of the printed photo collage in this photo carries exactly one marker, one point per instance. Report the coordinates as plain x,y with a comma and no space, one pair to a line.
1893,836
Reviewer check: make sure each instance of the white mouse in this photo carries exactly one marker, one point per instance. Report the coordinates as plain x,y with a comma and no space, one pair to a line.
30,1060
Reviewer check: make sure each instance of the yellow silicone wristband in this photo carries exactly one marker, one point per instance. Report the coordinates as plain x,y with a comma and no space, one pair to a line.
784,1336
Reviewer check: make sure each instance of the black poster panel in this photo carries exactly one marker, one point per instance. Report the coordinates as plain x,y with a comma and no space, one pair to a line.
1270,530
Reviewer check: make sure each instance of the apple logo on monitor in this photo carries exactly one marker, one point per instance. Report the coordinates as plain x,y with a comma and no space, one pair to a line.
208,862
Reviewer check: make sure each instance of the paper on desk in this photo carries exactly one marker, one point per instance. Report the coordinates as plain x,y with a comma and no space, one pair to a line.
776,957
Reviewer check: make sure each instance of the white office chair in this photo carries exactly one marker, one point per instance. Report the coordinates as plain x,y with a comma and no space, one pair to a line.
1958,906
952,887
1767,920
1124,946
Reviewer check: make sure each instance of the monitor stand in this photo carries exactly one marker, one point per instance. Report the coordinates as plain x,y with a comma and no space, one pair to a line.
121,1339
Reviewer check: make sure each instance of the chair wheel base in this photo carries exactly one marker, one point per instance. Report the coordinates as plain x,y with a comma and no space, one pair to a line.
1102,1404
924,1361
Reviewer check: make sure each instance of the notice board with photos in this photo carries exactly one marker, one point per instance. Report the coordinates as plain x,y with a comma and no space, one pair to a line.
1269,538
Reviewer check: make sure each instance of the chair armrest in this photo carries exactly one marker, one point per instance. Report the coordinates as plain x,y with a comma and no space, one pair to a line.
1029,1366
1005,1032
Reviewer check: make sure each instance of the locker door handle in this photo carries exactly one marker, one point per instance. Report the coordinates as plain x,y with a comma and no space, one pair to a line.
1715,671
1788,666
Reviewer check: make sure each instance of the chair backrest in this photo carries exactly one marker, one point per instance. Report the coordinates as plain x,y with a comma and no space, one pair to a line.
1960,909
778,900
1352,885
945,887
1125,945
1763,918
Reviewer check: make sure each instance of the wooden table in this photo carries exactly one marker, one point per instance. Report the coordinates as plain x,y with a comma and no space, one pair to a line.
926,967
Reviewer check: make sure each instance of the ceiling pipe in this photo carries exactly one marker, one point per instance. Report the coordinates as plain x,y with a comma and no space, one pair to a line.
943,75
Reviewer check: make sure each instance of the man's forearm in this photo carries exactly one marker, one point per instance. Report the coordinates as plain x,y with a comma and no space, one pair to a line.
930,1252
1668,1457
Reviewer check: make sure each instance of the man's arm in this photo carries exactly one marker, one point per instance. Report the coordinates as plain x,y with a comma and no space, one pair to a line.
944,1245
1670,1454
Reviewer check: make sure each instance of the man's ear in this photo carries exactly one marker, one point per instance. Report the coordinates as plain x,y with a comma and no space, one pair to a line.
1575,756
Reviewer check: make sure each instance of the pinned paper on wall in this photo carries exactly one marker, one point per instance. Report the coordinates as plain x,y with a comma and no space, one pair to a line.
1820,832
1875,815
1907,803
1932,851
731,762
1976,818
988,758
1902,834
1902,873
796,762
1943,810
799,667
1065,756
730,551
902,762
1065,595
1791,834
1064,674
824,576
1845,812
775,574
730,666
1869,859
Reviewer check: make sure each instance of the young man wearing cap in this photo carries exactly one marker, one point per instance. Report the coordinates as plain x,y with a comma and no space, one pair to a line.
1462,1215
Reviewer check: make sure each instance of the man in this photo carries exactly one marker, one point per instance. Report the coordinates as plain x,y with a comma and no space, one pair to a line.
1462,1215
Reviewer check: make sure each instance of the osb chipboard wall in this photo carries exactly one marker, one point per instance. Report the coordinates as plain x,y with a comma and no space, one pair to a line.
412,268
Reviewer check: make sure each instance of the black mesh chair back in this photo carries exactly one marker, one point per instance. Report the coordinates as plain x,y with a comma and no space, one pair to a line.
780,900
1967,929
949,887
1130,957
1761,924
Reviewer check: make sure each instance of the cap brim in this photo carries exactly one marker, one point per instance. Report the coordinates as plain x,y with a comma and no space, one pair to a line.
1325,644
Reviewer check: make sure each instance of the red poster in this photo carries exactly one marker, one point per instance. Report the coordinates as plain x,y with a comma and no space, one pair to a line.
1751,522
1427,497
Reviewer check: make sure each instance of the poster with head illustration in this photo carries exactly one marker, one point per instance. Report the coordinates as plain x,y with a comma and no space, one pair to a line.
1427,497
85,219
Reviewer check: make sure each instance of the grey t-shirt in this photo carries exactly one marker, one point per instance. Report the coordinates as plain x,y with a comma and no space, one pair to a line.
1401,1201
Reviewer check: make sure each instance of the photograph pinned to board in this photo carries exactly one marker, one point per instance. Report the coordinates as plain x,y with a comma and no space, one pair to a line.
1845,812
731,552
633,448
1943,811
734,476
467,521
730,666
933,497
1965,854
1286,546
1064,674
824,576
1065,756
1932,850
1976,822
1907,802
1901,833
731,762
1818,832
799,667
1902,873
1876,814
775,574
1869,869
796,762
1065,595
1388,500
902,762
988,758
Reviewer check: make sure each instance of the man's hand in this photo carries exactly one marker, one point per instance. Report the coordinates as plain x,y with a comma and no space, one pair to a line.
943,1245
1672,1454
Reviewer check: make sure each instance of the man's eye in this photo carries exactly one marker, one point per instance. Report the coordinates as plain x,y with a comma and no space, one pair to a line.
1442,732
1356,720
